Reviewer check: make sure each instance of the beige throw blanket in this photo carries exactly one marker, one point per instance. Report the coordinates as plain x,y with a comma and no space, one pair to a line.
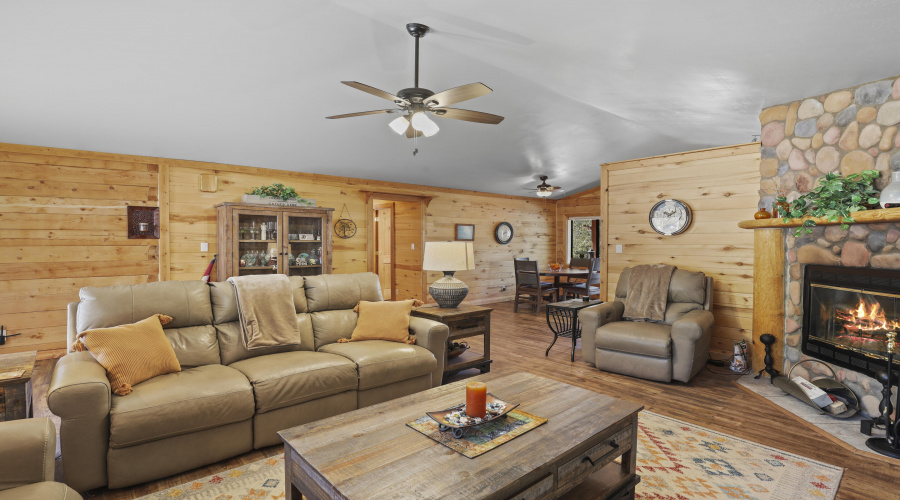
266,308
648,288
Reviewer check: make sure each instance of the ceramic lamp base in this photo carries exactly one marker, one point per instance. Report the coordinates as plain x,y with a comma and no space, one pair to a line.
448,291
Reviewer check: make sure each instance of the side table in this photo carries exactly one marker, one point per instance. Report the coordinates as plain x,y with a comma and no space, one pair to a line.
562,318
15,385
464,321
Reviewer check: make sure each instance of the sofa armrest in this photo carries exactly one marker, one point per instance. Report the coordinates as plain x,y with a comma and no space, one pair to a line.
691,337
432,335
29,452
79,394
592,318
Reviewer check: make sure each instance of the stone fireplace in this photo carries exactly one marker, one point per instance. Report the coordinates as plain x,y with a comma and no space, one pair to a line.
844,131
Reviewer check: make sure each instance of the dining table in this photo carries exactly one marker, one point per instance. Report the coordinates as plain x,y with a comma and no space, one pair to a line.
567,272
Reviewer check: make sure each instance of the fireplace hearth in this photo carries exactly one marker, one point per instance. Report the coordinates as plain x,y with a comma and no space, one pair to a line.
847,313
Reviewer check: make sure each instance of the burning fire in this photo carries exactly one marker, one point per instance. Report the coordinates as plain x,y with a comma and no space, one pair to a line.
866,320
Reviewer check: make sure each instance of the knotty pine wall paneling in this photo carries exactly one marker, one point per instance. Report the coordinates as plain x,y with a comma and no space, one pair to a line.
192,221
720,185
62,227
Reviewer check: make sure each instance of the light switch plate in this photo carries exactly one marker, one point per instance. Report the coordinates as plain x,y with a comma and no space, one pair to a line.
618,248
204,246
412,246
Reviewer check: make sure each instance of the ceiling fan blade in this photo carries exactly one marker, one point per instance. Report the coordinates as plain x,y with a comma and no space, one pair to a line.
467,115
363,113
459,94
376,92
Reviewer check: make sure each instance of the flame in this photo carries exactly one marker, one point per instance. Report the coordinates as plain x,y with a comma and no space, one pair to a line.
866,319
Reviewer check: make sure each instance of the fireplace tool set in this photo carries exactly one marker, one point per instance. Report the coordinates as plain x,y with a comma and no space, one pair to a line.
890,444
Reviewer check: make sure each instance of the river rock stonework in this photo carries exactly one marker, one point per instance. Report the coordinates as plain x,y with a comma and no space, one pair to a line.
845,131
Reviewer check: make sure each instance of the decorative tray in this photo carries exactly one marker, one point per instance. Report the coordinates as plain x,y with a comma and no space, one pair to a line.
455,417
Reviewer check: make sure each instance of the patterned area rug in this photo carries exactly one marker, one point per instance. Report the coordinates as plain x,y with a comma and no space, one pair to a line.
676,461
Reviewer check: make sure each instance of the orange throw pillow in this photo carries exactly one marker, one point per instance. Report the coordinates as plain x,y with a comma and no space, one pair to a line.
385,320
131,353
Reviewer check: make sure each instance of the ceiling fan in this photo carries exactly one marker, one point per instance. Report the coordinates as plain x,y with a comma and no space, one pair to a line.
543,189
416,103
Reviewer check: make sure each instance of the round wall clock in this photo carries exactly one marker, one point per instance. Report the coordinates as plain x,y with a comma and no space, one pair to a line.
503,233
670,217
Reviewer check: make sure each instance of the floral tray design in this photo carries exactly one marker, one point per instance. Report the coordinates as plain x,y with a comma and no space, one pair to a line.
455,417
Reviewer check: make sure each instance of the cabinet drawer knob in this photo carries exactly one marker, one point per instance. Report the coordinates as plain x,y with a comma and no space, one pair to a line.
615,447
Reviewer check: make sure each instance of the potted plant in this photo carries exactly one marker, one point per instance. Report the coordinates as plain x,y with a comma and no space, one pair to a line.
276,194
833,198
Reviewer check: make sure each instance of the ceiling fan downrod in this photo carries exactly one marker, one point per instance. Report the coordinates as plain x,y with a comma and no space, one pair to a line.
417,31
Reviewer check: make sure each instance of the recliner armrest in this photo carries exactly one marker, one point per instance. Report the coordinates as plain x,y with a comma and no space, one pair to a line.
691,337
594,317
432,335
79,394
29,452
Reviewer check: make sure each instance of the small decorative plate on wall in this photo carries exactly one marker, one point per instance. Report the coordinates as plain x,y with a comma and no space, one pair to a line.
503,233
670,217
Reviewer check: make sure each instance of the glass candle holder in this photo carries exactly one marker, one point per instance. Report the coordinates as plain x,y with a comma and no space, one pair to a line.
476,399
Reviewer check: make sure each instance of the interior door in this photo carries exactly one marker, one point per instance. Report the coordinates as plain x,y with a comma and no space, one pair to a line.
384,249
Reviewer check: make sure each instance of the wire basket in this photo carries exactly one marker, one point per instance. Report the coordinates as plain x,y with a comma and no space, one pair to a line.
829,385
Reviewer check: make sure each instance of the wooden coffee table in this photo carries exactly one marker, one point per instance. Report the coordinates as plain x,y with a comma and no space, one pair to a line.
372,453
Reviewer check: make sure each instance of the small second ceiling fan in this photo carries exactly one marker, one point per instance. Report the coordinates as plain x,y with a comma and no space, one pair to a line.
416,103
543,189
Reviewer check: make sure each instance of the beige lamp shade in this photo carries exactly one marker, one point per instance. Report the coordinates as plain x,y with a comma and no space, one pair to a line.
449,256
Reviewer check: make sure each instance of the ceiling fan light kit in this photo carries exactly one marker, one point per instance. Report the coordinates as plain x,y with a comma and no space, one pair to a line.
415,102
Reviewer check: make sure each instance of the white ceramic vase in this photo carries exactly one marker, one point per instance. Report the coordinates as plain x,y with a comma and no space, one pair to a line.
890,195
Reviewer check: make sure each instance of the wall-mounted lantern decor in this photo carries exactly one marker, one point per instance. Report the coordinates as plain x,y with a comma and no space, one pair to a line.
143,223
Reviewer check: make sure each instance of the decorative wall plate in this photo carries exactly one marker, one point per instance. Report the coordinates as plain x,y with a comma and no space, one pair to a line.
344,227
670,217
503,233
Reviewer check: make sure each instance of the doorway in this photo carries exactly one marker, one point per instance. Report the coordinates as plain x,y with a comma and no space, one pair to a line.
396,243
384,247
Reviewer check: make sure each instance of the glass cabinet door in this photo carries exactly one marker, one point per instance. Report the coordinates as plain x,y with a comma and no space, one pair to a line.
304,245
257,243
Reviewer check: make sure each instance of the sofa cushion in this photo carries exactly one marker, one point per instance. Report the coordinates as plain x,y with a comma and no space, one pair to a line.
647,339
180,403
341,291
290,378
187,302
195,345
380,362
329,326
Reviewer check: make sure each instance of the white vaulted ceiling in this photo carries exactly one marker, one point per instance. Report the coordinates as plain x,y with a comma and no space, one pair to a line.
579,82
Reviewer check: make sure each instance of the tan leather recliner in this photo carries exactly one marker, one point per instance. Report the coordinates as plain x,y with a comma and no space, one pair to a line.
676,348
28,462
227,400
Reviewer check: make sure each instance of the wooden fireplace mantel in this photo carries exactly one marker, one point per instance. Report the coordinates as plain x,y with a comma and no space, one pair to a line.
864,217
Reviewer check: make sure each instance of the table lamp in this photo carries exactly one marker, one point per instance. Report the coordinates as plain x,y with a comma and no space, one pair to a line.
448,257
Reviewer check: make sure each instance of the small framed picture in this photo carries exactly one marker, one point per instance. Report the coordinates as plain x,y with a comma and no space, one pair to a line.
465,232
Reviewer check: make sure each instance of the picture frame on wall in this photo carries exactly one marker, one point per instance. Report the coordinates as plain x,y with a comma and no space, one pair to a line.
465,232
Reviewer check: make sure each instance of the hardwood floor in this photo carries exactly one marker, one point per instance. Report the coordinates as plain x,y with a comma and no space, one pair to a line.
518,342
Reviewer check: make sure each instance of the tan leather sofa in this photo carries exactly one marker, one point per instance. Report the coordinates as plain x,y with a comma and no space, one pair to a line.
675,349
28,462
226,400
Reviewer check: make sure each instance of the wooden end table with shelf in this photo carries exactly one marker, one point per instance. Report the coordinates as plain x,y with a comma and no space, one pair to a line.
464,321
15,392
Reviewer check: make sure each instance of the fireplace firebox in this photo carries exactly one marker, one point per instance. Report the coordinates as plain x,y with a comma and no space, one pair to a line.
847,312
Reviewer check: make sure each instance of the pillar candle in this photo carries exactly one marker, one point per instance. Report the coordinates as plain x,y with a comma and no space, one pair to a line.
476,399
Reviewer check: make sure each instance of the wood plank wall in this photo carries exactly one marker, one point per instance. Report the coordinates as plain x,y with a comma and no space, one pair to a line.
63,226
720,185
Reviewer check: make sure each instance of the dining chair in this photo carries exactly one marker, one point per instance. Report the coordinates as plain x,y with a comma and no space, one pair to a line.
529,285
583,287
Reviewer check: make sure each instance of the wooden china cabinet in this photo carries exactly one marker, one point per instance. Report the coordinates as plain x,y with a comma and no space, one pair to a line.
270,239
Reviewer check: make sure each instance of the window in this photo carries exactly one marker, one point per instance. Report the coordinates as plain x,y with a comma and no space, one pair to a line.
584,238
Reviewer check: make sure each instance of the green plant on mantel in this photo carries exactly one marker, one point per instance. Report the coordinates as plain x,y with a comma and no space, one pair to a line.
833,198
277,190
